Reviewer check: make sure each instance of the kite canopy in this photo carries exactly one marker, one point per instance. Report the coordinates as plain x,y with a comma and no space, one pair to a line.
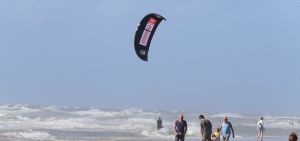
144,34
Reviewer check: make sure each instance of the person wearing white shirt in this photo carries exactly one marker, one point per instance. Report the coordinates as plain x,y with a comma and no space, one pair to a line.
260,129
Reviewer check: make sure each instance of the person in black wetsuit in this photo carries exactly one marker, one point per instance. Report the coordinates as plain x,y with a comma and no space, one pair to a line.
180,128
159,123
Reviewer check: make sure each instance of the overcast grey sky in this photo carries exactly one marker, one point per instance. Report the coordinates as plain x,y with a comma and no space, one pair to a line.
214,56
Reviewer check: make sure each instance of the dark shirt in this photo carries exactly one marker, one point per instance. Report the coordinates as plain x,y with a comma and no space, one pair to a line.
206,126
180,126
159,124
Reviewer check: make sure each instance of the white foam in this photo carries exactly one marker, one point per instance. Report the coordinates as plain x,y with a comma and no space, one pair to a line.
50,123
229,115
50,108
162,133
19,117
134,121
98,113
16,109
102,113
29,135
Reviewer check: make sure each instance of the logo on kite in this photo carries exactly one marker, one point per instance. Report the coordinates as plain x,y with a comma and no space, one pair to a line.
144,34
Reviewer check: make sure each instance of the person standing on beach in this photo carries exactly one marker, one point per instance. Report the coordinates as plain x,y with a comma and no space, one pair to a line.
180,128
206,128
227,128
260,129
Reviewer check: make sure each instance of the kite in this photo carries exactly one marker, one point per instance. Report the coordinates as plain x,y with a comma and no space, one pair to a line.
144,34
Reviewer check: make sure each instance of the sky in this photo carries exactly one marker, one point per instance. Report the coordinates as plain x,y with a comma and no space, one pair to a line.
208,56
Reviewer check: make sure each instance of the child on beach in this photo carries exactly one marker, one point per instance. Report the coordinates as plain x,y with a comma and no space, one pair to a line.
216,135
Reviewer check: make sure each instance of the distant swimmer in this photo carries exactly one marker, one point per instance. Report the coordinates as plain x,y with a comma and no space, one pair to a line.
260,129
180,128
206,128
291,122
159,123
293,137
227,128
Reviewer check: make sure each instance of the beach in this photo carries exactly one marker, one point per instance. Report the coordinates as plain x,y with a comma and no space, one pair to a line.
137,139
50,123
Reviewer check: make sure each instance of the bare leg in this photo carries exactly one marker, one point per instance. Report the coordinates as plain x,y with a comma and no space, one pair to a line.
260,136
226,138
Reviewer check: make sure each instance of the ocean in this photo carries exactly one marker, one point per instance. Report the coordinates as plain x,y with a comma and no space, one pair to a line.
50,123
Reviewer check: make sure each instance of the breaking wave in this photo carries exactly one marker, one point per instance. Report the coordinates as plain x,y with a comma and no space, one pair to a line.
28,135
41,122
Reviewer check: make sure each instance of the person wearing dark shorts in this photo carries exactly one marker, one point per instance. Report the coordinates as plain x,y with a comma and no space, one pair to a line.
159,123
206,128
227,129
180,128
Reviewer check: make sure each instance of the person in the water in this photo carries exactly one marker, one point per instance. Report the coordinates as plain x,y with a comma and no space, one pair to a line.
180,128
205,128
260,129
216,135
227,129
159,123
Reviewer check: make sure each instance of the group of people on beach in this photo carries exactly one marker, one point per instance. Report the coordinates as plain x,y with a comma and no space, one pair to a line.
224,132
226,129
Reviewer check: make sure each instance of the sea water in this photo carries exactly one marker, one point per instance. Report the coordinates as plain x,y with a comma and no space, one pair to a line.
35,123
